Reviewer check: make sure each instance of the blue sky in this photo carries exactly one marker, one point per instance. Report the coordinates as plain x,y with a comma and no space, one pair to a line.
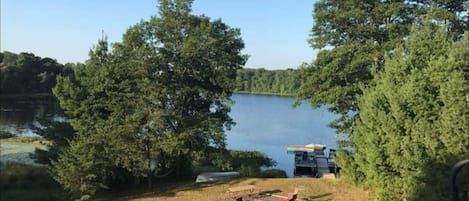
275,32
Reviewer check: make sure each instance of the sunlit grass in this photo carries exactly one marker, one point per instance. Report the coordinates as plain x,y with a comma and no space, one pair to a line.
309,189
35,140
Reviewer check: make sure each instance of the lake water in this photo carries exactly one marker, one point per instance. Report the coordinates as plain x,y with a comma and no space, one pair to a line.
19,114
269,124
263,123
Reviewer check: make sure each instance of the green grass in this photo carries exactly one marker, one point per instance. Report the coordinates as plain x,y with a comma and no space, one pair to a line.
309,189
26,182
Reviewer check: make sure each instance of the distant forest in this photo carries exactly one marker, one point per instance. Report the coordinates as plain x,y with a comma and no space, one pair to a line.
27,73
262,81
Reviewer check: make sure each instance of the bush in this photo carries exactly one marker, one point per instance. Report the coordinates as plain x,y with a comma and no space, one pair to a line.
273,173
6,134
248,163
26,182
249,171
238,159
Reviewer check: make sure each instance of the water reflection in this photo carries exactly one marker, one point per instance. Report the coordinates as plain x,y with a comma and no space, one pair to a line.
19,114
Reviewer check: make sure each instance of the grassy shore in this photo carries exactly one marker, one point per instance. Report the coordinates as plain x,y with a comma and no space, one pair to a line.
23,182
27,182
32,140
309,189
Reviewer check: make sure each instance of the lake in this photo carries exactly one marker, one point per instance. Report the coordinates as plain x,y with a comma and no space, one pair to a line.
263,123
269,124
19,114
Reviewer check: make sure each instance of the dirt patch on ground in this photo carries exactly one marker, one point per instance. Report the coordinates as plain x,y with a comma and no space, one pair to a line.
308,189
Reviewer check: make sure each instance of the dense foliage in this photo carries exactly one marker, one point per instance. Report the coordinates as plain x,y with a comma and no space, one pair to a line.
5,134
353,37
279,82
158,99
402,94
414,120
27,73
58,133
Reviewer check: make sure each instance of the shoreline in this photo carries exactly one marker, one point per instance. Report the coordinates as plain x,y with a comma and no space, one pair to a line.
265,93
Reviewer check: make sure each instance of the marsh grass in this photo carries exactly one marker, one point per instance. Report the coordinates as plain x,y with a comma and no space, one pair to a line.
35,140
25,182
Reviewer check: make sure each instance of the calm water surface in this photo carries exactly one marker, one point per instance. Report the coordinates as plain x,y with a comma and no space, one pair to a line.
263,123
269,124
19,114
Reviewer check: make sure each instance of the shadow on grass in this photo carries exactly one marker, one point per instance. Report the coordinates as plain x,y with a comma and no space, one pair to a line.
270,192
25,182
316,197
162,189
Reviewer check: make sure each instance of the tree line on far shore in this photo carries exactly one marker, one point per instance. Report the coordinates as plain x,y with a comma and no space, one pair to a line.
28,73
25,73
262,81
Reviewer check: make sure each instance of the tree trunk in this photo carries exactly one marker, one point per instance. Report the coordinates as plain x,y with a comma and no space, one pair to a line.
149,174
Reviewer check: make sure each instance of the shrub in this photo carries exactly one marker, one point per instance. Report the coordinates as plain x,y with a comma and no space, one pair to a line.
273,173
249,171
248,163
6,134
26,182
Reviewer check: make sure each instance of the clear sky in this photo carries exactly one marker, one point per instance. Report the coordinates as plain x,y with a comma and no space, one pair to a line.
275,32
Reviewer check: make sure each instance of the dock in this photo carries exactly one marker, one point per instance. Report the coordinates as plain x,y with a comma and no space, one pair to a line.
311,160
322,165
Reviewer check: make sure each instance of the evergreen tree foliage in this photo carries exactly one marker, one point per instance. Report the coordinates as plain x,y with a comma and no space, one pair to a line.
413,124
59,133
161,96
353,37
393,108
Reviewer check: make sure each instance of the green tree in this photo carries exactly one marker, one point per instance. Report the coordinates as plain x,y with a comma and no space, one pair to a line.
27,73
59,133
413,123
161,96
353,37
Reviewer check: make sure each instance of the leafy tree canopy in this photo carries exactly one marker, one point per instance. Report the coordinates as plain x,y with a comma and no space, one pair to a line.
354,36
27,73
160,96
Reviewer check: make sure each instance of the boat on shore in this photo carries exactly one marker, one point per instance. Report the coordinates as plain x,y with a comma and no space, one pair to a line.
215,176
311,160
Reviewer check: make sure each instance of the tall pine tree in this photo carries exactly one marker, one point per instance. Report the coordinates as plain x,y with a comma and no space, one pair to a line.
353,37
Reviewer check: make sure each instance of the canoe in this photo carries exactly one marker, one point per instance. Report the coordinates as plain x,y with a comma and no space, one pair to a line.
215,176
